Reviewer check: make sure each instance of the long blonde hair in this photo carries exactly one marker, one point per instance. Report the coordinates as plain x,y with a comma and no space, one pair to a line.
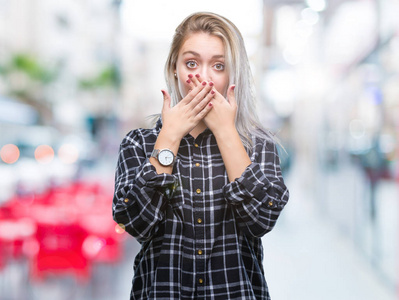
247,121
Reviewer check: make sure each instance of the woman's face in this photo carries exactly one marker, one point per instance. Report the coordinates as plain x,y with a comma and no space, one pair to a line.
202,54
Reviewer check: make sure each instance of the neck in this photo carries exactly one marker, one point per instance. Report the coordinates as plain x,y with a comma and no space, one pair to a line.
197,130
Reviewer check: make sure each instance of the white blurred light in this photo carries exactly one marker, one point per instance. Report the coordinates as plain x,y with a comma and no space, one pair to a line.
286,18
387,143
68,153
357,128
276,85
314,81
304,29
351,32
136,21
291,56
310,16
294,50
317,5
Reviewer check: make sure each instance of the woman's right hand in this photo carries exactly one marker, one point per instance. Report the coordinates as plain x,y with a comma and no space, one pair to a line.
180,119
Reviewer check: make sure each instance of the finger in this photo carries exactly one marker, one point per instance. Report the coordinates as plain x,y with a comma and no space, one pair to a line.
202,114
166,100
196,79
218,97
206,88
231,95
190,82
204,102
193,92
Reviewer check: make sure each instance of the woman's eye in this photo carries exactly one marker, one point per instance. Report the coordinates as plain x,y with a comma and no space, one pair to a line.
219,67
191,64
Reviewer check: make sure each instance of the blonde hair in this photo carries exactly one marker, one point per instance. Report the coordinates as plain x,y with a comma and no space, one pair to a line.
247,121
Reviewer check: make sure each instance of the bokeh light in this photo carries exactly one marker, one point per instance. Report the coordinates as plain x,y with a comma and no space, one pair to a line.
317,5
357,128
119,228
68,153
44,154
9,153
92,245
310,16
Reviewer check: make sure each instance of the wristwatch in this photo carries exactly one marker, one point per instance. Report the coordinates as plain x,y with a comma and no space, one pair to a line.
165,156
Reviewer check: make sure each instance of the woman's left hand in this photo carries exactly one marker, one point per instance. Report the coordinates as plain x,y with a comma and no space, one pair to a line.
221,118
221,121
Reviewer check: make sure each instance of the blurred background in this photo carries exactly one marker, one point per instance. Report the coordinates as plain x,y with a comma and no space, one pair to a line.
76,76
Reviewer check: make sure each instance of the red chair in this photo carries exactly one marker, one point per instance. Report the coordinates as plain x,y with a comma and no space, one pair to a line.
73,228
60,252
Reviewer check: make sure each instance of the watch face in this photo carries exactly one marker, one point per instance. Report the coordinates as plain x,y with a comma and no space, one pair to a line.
165,157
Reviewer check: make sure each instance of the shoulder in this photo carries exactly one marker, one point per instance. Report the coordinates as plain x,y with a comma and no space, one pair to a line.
263,143
140,137
263,139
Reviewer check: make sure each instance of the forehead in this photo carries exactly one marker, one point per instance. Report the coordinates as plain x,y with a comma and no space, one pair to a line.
203,43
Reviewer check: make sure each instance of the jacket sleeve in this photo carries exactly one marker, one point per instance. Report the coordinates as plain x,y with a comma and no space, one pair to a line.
140,193
259,195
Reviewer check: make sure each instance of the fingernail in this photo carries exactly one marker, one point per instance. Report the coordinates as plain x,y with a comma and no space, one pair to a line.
197,75
210,104
190,76
233,87
163,92
188,81
211,83
204,83
212,92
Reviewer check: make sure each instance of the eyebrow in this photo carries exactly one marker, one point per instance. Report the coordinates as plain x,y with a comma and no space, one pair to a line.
197,54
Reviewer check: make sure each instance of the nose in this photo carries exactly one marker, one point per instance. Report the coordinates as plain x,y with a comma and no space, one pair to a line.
205,74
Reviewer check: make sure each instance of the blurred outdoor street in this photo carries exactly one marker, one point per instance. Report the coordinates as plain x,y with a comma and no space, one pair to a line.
77,76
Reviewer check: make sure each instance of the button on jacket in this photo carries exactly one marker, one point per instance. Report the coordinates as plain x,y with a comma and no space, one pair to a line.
200,234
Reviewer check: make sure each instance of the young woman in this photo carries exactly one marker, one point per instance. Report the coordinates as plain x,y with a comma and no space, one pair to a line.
200,189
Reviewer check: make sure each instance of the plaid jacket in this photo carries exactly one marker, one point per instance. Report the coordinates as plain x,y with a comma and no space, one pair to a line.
200,235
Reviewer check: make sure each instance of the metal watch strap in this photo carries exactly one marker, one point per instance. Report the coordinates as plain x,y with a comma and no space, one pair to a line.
155,153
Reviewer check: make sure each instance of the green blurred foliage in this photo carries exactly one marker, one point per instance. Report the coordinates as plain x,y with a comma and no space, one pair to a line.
29,65
108,77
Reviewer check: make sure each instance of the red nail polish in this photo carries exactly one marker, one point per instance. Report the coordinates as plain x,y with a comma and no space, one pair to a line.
210,104
190,76
188,81
211,83
212,92
197,75
204,83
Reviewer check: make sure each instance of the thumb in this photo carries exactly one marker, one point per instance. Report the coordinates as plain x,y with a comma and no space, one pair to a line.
166,100
231,95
